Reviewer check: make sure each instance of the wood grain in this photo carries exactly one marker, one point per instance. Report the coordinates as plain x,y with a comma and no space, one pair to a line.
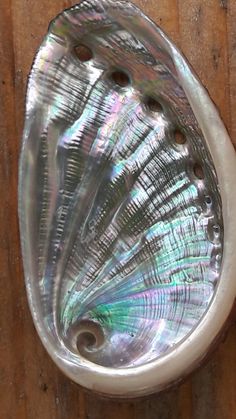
31,387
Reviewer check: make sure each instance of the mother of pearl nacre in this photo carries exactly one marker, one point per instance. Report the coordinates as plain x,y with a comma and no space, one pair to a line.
126,199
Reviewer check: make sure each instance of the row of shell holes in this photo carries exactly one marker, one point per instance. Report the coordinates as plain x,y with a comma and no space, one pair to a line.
120,77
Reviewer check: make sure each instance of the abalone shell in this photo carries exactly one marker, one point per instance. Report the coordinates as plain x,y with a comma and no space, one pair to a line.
119,199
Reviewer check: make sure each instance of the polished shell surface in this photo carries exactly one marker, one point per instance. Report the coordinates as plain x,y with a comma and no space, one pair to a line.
120,207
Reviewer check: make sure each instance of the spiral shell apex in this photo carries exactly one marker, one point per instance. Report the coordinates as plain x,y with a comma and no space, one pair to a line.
119,200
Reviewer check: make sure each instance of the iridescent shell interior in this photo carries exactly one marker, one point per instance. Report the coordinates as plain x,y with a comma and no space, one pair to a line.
120,208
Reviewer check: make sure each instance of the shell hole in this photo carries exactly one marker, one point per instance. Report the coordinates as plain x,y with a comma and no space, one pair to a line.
120,78
179,137
216,229
83,52
153,105
208,200
198,171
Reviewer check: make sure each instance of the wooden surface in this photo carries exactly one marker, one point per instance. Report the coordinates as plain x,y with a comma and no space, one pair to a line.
31,387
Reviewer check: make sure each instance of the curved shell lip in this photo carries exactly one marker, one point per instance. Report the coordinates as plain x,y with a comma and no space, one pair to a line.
186,355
